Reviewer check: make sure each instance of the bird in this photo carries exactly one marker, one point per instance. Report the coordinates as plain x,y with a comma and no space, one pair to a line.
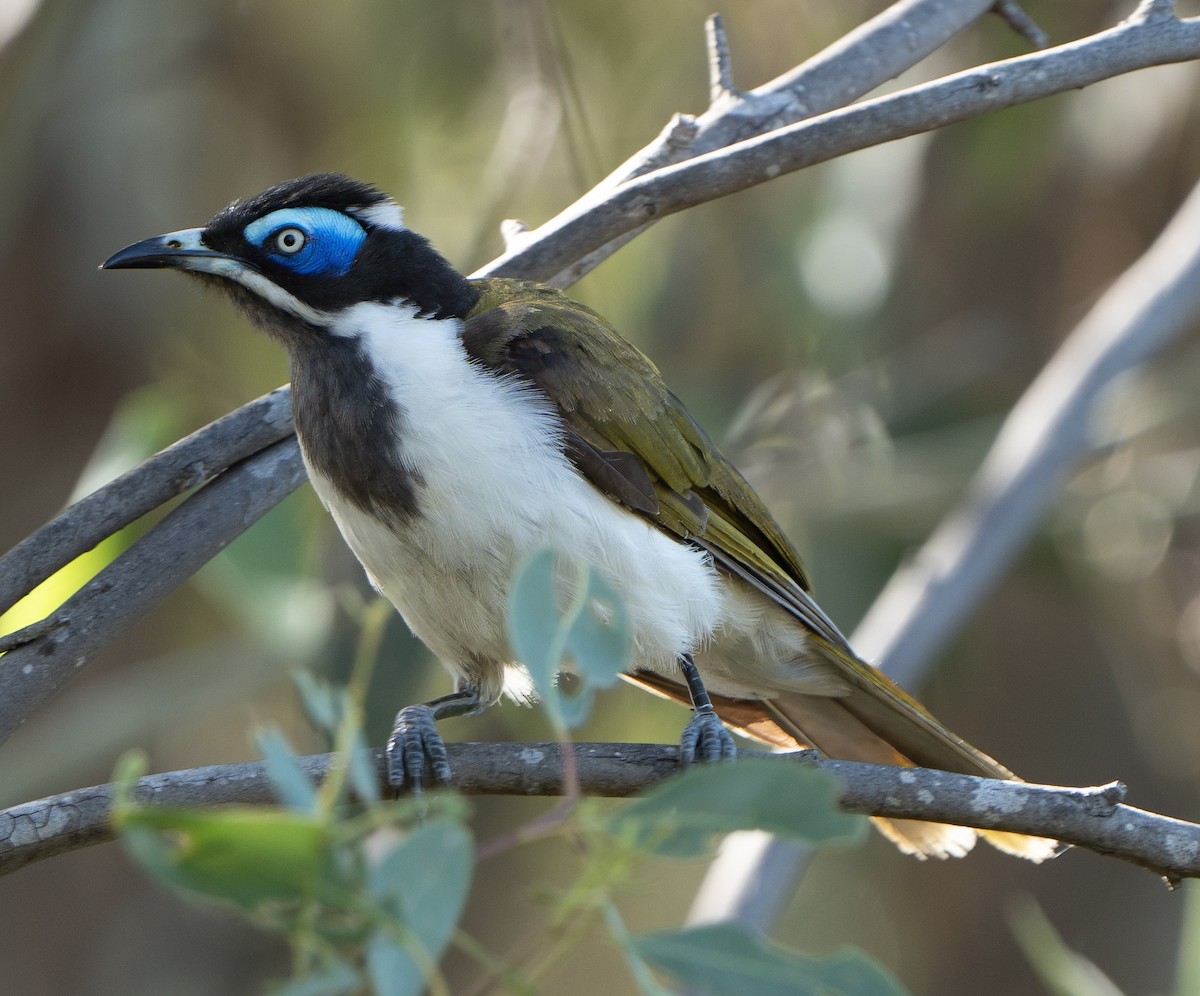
453,427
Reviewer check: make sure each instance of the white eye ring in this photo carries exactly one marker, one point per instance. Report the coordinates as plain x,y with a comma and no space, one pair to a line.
290,240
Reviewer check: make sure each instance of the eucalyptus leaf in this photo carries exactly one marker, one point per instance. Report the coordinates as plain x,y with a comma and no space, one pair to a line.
423,882
533,626
293,787
680,816
392,969
729,960
244,855
600,637
594,632
322,702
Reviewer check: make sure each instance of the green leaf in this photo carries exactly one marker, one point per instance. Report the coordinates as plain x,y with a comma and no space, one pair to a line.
244,855
322,702
786,798
729,959
599,637
360,768
423,882
533,628
331,980
594,631
293,787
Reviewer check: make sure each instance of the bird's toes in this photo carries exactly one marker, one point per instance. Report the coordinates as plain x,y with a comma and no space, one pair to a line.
415,744
705,739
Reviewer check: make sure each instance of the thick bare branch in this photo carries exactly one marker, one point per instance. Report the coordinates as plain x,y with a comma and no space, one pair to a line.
141,577
1093,818
1047,431
1138,43
187,463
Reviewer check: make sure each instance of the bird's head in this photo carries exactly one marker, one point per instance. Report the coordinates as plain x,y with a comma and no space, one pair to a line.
299,254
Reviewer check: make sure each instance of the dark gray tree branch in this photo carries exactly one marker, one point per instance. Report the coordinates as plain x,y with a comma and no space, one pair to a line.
1092,818
166,475
51,652
1142,41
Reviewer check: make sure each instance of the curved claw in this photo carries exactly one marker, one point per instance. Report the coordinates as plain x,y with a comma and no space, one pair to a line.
414,741
705,739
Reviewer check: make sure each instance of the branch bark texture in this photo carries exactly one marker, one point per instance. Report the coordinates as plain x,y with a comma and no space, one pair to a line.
1093,818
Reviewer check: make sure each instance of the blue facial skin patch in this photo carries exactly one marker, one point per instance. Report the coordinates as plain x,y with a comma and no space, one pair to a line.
331,240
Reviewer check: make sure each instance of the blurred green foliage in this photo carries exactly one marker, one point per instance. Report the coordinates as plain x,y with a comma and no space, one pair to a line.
369,893
860,330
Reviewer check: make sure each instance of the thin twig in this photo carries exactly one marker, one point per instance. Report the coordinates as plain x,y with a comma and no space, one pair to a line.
1092,818
1022,23
720,67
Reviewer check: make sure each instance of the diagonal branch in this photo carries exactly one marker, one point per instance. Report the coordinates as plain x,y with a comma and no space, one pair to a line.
157,564
166,475
1049,429
928,598
1138,43
1092,818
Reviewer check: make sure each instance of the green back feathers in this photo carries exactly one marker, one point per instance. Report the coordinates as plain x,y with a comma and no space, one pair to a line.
627,433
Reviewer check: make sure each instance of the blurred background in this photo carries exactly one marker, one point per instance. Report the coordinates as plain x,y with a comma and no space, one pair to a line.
854,333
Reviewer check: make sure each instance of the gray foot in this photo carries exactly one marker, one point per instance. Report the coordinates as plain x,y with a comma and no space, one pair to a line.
415,744
706,739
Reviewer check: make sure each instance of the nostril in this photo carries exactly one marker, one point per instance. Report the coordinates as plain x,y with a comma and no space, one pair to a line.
174,244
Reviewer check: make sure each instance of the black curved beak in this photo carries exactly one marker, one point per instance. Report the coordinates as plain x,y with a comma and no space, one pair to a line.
184,250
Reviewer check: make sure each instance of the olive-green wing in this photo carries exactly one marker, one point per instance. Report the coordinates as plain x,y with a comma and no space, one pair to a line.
635,441
627,433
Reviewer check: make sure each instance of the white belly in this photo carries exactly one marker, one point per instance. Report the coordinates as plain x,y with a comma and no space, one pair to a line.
495,488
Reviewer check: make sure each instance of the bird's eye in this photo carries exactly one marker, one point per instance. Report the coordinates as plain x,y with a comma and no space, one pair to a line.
290,241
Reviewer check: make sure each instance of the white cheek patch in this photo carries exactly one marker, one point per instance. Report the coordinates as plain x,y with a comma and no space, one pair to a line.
232,269
386,214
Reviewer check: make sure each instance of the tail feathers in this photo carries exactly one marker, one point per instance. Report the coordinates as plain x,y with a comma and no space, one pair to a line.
927,840
1036,849
829,725
834,726
943,840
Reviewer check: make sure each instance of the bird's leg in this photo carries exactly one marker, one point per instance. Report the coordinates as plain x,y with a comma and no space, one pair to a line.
705,737
415,738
